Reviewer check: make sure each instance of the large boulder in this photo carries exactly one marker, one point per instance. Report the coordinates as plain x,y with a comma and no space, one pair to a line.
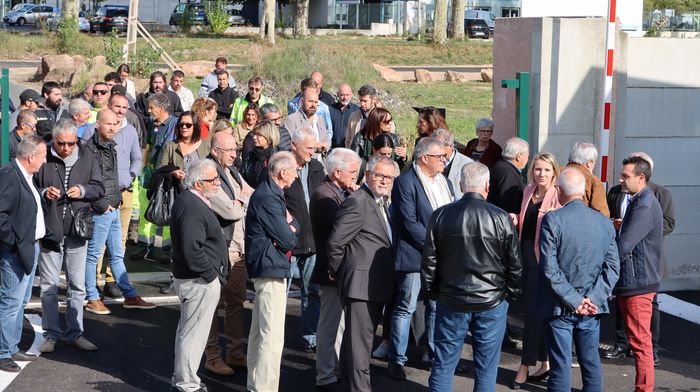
198,69
423,76
388,74
59,68
487,74
452,76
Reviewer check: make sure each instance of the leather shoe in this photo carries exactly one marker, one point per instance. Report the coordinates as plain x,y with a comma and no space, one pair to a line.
538,377
396,371
616,352
21,356
237,362
8,365
218,367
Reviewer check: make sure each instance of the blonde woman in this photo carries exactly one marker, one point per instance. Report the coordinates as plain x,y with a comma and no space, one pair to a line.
250,119
266,137
205,109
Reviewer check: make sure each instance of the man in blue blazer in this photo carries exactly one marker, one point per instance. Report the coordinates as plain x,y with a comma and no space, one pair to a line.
21,228
416,194
579,259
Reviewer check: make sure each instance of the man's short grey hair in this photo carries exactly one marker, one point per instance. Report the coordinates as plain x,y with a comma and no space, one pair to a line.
644,156
445,136
375,160
78,105
29,145
24,116
484,122
571,182
196,172
281,160
160,100
302,134
424,145
515,146
366,90
268,108
583,152
64,126
341,159
474,175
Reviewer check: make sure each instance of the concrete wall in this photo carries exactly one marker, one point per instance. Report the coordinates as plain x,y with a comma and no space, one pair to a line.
658,113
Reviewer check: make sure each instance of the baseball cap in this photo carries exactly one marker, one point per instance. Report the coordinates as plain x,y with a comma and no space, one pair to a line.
29,95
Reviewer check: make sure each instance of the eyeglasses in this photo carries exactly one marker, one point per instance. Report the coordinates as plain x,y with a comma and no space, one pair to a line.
69,144
440,157
100,92
485,130
30,126
211,180
186,125
381,177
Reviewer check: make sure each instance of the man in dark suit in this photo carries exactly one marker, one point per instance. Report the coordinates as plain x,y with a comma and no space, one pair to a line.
507,183
416,194
361,259
200,267
617,202
342,165
581,264
471,266
21,228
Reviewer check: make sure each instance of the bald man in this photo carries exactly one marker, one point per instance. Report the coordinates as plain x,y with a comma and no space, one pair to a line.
107,229
340,114
323,95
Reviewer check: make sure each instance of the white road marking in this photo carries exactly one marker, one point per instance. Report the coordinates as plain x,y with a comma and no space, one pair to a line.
676,307
6,378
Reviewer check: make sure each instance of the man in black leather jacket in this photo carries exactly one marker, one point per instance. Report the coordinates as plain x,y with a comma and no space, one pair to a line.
471,265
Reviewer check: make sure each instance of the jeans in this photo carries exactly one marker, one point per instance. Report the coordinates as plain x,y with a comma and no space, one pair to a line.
310,299
108,232
584,331
487,328
15,291
72,252
407,289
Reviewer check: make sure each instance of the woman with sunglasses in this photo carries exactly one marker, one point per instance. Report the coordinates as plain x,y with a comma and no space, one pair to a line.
379,122
187,148
266,137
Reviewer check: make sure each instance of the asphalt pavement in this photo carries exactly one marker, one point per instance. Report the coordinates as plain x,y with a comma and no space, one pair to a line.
136,352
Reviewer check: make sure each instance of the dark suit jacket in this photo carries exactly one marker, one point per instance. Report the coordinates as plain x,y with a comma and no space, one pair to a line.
410,214
359,251
663,195
579,258
507,186
199,247
17,215
296,204
323,208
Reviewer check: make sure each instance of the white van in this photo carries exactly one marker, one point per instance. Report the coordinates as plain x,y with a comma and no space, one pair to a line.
485,15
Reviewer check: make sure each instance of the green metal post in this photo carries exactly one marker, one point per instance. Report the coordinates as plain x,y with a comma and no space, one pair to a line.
5,87
521,84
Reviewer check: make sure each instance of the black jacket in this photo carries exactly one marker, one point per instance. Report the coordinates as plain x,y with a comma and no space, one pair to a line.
340,122
296,204
471,258
141,105
506,186
17,216
14,143
199,247
106,155
268,236
326,98
224,101
662,194
85,173
254,166
325,203
47,118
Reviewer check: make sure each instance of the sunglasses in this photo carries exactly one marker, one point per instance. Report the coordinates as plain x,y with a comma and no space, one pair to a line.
69,144
100,92
186,125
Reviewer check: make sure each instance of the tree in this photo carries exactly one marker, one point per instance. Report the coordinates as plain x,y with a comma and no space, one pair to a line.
267,23
440,22
301,18
458,19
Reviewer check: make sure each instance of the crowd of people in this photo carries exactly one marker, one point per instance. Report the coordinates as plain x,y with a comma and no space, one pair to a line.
432,244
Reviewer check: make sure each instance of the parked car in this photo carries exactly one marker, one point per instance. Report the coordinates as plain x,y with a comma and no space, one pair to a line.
196,12
235,16
476,28
83,23
110,17
29,13
488,17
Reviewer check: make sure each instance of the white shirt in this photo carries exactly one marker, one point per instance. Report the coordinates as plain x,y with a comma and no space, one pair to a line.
186,97
40,230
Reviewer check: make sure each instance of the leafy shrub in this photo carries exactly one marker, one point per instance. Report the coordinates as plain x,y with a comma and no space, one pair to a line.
69,39
113,51
143,62
217,16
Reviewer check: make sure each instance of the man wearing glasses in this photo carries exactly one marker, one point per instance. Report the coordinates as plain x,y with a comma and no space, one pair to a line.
26,125
200,267
100,97
254,95
416,194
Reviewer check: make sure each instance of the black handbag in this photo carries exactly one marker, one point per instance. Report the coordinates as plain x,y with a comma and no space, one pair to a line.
161,204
